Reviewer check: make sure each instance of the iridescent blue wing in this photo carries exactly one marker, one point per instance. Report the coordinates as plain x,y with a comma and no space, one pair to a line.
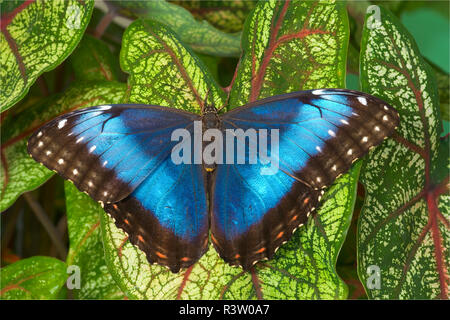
107,151
121,156
321,133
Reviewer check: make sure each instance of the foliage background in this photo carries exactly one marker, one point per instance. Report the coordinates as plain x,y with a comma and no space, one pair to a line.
46,227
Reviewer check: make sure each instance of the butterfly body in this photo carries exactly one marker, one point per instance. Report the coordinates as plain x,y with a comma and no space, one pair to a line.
247,203
210,120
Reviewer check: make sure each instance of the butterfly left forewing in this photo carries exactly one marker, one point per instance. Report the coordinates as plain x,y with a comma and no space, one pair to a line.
107,151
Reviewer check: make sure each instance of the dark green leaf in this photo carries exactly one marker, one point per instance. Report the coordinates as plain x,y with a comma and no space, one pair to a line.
93,60
200,36
226,15
443,83
33,278
36,36
404,225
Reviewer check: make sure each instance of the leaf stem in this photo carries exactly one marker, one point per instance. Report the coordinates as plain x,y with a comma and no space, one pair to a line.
42,216
43,86
105,22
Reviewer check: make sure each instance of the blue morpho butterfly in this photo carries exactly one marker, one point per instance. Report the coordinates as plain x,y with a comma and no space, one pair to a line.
122,156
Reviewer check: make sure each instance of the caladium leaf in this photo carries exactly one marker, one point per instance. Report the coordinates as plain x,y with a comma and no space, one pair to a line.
158,64
93,60
36,36
19,172
305,266
403,231
201,36
270,65
32,278
86,247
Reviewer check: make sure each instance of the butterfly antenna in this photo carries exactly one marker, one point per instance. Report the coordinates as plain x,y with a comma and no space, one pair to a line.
205,101
225,104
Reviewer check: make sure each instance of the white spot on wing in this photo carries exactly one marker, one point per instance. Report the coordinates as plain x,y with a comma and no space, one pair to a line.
362,100
318,149
334,168
105,163
62,123
40,144
344,121
349,152
106,107
92,148
61,161
48,152
79,139
75,171
317,92
385,118
331,133
365,139
318,179
377,128
39,134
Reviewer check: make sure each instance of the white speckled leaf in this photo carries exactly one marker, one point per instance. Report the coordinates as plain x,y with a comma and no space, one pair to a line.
404,225
36,36
159,65
86,247
36,278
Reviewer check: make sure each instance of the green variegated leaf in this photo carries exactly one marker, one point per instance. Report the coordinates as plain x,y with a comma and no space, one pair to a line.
290,46
305,266
32,278
19,172
92,60
86,247
403,230
159,64
228,16
200,36
36,36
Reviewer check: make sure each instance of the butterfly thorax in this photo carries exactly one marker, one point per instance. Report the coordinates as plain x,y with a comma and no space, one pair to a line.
210,120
